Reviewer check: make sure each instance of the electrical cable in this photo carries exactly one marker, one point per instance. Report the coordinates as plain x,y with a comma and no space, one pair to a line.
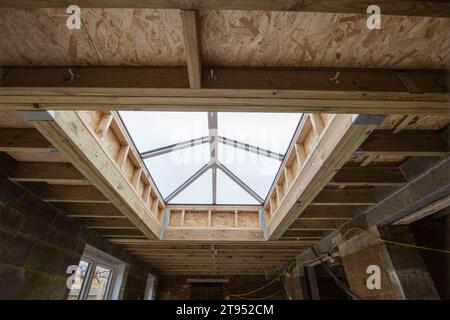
337,243
265,286
342,238
285,287
262,266
338,281
263,298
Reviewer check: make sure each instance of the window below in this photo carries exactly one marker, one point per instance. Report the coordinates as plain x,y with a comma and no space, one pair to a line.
98,277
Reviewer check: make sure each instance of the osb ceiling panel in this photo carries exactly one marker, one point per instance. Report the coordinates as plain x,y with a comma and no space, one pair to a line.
262,38
107,37
114,37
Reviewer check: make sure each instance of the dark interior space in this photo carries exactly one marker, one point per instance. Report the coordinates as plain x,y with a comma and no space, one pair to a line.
207,291
434,231
321,284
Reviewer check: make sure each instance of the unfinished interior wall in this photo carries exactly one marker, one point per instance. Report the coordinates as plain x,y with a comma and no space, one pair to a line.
178,287
402,270
38,243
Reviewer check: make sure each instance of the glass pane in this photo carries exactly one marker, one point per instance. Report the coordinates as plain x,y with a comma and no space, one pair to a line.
272,131
228,192
99,284
151,130
170,170
199,192
254,170
77,284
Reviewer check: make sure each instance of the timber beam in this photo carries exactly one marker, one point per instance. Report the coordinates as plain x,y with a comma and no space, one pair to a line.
66,193
88,210
339,139
425,144
50,172
256,89
78,143
423,195
209,234
389,7
24,140
368,176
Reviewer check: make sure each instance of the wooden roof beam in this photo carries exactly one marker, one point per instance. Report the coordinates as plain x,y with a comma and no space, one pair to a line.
344,197
72,136
426,144
389,7
89,210
122,224
368,176
23,140
342,135
62,193
50,172
327,212
304,234
231,89
192,44
210,234
313,225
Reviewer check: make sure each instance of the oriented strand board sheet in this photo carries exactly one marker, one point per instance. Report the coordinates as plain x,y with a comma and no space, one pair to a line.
136,36
110,37
263,38
39,37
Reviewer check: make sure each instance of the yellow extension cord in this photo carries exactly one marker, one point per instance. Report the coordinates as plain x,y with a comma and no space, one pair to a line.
342,238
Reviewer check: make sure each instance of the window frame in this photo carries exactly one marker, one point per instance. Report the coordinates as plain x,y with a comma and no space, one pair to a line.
94,258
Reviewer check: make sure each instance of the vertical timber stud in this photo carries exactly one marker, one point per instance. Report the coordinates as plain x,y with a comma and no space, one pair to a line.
165,222
192,45
71,136
262,223
340,138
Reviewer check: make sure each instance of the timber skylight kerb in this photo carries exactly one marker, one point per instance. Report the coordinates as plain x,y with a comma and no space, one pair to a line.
212,158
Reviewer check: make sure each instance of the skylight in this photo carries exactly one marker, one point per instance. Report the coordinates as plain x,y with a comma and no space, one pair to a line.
210,157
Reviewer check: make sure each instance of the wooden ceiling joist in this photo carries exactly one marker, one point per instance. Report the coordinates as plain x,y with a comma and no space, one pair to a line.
313,225
191,33
50,172
327,212
89,210
23,140
197,234
122,234
71,135
341,197
98,223
388,7
427,144
66,193
229,89
368,176
304,234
